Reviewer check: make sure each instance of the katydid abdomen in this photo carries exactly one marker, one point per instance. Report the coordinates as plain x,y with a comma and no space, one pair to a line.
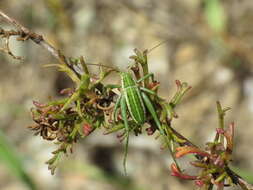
134,101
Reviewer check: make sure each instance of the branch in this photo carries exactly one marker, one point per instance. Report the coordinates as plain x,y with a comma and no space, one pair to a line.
26,34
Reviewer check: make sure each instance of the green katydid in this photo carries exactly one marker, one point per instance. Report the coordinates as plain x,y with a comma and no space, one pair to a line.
135,100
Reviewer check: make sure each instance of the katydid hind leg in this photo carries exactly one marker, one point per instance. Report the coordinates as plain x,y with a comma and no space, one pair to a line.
152,111
124,116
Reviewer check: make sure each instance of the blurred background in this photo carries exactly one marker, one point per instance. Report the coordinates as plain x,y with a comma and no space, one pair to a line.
209,45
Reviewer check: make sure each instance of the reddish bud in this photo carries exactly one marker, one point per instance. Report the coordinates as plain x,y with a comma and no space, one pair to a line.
199,183
220,131
87,129
39,105
178,83
153,85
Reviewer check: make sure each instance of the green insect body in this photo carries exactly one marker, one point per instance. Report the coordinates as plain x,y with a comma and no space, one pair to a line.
134,100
